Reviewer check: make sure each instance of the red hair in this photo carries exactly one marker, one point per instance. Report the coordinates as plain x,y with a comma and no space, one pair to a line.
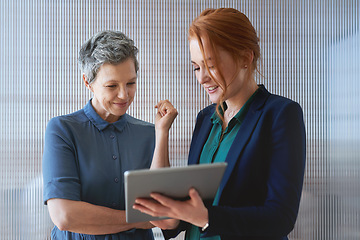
232,31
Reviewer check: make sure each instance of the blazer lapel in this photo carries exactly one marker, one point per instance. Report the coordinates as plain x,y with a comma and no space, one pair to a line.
245,131
199,139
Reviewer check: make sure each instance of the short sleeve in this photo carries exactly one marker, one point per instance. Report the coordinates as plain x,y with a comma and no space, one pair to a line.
59,165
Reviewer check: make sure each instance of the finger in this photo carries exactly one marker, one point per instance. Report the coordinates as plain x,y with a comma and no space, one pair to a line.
162,107
165,201
169,109
147,203
165,108
144,210
193,193
161,102
150,207
195,197
160,113
148,211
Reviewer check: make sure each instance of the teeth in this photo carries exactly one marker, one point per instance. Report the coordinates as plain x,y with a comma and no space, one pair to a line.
212,88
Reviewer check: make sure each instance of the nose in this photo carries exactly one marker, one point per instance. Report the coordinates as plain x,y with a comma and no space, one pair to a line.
203,76
123,93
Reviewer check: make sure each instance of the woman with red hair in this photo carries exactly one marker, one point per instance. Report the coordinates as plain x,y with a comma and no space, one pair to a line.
260,135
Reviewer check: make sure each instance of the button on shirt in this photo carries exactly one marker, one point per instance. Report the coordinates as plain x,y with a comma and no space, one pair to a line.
85,158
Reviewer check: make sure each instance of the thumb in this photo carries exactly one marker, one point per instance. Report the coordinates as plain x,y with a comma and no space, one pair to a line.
194,194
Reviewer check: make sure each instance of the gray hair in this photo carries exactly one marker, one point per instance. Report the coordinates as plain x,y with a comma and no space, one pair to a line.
105,47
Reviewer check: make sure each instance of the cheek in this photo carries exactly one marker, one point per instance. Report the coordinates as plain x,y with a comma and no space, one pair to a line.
106,96
197,76
132,92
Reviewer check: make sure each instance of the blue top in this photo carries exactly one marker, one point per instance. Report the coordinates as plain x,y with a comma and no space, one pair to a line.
85,158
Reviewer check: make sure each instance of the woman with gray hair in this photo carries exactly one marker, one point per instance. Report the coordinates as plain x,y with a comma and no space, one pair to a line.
87,152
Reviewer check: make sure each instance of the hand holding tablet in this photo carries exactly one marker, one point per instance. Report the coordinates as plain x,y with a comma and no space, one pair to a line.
173,182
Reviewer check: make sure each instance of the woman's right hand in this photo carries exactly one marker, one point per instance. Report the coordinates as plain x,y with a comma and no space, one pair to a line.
192,210
165,116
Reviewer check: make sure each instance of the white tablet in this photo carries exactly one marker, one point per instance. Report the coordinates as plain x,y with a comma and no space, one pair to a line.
174,182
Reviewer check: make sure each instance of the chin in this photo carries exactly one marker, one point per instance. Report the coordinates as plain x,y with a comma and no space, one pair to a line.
214,100
118,113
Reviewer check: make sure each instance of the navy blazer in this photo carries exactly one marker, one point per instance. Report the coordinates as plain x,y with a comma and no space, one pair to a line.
261,188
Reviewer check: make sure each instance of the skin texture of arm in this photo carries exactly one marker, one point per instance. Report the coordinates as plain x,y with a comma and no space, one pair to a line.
83,217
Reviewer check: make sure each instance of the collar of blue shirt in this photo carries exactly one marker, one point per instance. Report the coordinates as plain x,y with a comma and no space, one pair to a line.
100,123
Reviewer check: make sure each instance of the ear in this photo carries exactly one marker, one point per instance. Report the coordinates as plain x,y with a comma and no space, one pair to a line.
248,58
87,84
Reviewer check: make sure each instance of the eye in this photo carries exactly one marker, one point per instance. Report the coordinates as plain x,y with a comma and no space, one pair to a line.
131,83
110,86
196,69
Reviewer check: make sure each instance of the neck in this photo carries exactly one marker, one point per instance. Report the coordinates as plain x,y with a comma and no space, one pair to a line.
236,103
103,114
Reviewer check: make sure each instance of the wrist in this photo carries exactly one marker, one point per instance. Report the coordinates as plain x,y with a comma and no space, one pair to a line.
205,221
161,133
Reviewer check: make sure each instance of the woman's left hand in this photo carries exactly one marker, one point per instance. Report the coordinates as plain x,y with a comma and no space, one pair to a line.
192,210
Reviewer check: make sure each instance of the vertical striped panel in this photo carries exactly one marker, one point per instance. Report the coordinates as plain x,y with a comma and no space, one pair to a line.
310,53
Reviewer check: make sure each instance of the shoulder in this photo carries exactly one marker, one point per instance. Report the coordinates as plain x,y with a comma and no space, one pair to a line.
280,111
278,104
140,128
277,99
132,121
72,120
140,132
270,102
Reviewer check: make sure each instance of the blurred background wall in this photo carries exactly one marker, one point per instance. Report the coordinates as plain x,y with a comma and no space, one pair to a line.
310,53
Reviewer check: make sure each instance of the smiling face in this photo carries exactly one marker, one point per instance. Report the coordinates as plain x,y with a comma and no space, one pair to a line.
114,89
235,79
201,73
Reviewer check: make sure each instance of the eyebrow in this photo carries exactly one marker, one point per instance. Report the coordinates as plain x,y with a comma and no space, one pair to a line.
209,59
130,79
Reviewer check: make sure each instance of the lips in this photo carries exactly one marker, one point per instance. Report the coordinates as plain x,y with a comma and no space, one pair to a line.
124,104
212,89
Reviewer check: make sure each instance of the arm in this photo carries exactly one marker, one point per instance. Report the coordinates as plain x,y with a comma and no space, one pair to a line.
164,118
83,217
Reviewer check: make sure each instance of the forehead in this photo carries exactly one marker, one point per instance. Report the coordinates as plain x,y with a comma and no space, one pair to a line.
195,50
117,72
211,55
